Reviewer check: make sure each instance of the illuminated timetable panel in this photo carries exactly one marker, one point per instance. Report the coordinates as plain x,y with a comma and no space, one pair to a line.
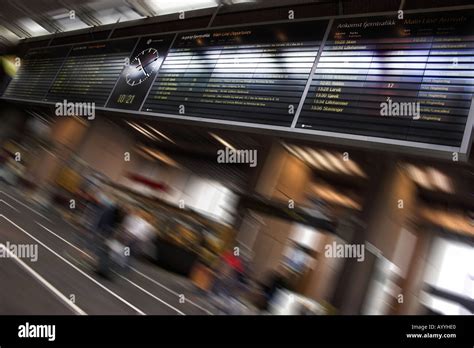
36,73
91,71
298,78
254,74
423,58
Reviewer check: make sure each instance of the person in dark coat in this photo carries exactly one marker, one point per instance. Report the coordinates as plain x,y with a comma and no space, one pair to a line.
107,225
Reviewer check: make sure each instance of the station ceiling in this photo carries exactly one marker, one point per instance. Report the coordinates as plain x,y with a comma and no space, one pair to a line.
26,19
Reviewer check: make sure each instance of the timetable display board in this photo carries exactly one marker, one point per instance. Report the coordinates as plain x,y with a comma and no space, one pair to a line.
36,73
253,74
90,72
405,81
423,58
137,77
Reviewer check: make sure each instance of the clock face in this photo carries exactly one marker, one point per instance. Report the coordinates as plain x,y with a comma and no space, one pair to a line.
142,66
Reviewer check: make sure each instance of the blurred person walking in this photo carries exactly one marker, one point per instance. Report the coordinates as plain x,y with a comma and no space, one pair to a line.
106,229
229,284
278,279
95,202
138,232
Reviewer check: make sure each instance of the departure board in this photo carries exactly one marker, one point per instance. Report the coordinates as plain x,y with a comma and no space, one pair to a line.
253,74
406,81
36,73
138,76
90,72
374,71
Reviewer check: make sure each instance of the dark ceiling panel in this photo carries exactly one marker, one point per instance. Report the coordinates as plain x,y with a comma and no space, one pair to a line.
162,27
420,4
84,37
367,6
319,9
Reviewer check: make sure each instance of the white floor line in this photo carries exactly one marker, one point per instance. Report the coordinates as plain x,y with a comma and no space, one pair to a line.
9,205
76,268
150,294
26,206
173,292
86,254
44,282
132,268
65,241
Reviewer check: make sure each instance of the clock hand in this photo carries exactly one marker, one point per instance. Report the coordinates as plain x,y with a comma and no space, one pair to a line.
142,67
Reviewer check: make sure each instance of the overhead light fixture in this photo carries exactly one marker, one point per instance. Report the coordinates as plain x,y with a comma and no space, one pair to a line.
145,154
163,7
440,180
159,156
321,160
290,149
336,162
32,27
9,35
222,141
429,178
306,156
330,195
325,160
160,134
354,168
143,131
235,2
62,18
454,220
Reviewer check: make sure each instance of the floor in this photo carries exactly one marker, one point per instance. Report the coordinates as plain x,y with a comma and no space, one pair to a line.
62,281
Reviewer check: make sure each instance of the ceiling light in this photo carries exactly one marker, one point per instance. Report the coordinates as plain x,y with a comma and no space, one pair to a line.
143,131
32,27
307,156
161,134
354,168
162,7
222,141
291,150
321,160
419,176
440,180
336,162
328,194
160,156
298,153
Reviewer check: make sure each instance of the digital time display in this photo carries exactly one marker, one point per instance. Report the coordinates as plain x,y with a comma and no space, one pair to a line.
125,98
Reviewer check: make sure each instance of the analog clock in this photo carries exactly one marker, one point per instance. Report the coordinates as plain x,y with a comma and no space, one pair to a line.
142,66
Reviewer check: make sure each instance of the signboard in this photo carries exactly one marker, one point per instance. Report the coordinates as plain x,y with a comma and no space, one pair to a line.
36,73
405,81
253,74
90,72
409,79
